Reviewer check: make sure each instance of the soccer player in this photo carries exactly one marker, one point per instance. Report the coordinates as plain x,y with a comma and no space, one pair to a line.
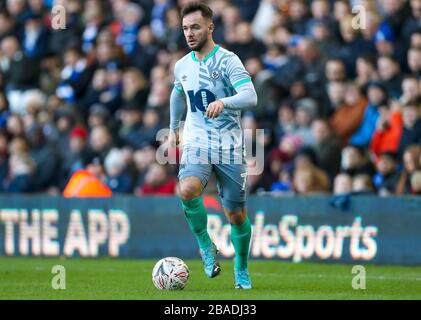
216,87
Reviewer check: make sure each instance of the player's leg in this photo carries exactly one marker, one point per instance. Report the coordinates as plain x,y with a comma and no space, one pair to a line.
231,184
191,189
193,179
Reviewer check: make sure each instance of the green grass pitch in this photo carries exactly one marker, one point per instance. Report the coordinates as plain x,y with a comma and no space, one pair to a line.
30,278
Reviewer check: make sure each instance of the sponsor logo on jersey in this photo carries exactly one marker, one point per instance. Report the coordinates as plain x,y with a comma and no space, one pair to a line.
200,100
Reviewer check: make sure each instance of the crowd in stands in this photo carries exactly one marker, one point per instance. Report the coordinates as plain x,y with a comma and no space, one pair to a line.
339,96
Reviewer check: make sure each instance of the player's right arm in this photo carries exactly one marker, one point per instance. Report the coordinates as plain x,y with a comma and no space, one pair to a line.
177,106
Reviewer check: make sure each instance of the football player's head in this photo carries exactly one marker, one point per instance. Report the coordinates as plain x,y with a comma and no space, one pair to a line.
197,25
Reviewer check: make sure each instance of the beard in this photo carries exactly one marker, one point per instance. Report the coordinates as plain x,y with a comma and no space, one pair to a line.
199,45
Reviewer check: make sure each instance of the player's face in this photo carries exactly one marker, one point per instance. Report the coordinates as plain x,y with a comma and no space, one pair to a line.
196,30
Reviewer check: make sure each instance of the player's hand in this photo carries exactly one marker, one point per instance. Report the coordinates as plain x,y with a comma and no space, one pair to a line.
215,109
173,139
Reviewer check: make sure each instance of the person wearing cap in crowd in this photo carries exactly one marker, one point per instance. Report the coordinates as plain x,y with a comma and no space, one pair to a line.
98,116
77,155
306,111
111,98
384,40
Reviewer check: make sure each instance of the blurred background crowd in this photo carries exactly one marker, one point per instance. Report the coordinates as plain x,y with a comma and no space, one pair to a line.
339,94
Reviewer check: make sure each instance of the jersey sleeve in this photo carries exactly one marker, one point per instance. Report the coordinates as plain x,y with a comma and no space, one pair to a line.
240,79
177,83
236,72
177,102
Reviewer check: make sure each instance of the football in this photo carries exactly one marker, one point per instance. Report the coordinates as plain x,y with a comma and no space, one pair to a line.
170,273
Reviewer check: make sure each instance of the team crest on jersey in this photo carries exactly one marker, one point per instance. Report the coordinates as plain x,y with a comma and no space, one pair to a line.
215,75
184,78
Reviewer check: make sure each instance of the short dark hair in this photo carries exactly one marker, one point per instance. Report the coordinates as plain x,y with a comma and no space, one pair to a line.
197,6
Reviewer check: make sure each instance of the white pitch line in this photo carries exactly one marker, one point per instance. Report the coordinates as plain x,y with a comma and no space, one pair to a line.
304,275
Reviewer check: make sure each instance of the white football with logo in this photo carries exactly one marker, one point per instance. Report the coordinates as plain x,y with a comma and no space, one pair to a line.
170,273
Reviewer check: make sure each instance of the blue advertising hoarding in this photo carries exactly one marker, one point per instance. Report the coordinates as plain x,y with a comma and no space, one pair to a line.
371,230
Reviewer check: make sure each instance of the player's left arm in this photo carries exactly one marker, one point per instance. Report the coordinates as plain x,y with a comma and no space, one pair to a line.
240,79
245,96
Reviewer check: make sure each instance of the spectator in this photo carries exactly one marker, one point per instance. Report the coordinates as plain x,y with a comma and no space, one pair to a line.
411,164
376,96
98,116
134,88
414,61
416,183
327,147
411,133
77,157
35,37
131,20
7,25
390,76
131,123
146,50
320,13
283,185
335,97
101,142
173,36
21,168
310,180
306,111
388,132
75,76
298,15
385,40
362,184
4,156
244,44
117,177
147,133
347,118
45,157
157,182
355,162
366,70
94,22
342,184
387,176
286,121
410,90
20,72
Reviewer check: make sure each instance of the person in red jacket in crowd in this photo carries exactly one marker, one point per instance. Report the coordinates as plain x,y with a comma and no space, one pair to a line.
157,182
389,130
